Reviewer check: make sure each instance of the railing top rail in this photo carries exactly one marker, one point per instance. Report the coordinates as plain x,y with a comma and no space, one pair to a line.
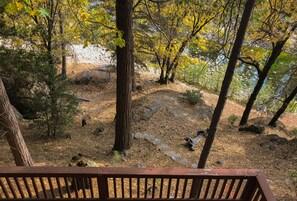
126,172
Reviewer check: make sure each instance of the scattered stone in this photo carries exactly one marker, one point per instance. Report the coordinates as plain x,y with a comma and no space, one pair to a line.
98,130
156,141
138,135
177,113
194,165
175,156
148,137
169,153
253,128
140,165
149,112
163,147
204,112
84,78
183,161
277,139
268,145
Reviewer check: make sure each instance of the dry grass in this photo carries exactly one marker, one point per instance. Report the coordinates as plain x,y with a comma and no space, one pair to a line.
233,149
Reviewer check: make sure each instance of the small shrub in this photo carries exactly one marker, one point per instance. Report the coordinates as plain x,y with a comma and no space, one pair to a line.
194,97
294,132
116,156
232,119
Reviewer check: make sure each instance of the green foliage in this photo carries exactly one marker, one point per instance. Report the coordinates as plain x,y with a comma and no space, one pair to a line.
36,89
194,97
116,157
294,132
232,119
53,102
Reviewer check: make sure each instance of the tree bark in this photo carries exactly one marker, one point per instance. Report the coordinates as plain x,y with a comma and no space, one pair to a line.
63,46
161,79
224,92
283,108
124,66
262,76
133,74
12,131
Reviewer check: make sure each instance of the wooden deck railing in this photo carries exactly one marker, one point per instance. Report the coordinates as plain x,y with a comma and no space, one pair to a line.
129,184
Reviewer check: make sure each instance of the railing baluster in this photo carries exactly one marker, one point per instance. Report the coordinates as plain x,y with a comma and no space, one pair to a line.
161,188
51,187
67,187
145,187
230,188
185,188
123,187
115,187
19,187
35,187
130,187
176,188
200,187
154,187
4,188
75,188
138,187
169,187
91,187
215,188
223,188
43,187
84,186
237,188
258,193
207,188
27,187
59,187
11,187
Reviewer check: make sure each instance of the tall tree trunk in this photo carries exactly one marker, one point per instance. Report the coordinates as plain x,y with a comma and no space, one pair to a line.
124,65
13,133
161,79
224,92
262,76
133,74
283,107
63,46
173,74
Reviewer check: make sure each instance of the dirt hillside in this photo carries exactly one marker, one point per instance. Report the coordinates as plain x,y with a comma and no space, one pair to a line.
161,120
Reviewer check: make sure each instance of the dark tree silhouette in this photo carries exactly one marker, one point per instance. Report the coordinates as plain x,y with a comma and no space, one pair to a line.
63,45
276,51
10,126
283,108
124,67
224,91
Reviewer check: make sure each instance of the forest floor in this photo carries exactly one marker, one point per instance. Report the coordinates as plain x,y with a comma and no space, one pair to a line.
162,112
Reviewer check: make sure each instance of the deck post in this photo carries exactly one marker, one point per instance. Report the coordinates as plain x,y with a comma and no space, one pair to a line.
103,187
